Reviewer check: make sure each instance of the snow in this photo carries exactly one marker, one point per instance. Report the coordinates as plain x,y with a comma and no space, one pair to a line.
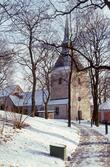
100,129
59,101
22,98
61,69
25,99
105,106
29,147
49,111
93,150
7,91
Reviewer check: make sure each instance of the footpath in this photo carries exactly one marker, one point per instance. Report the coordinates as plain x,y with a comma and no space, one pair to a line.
92,151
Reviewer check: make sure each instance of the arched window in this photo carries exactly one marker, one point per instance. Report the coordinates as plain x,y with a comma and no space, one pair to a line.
60,81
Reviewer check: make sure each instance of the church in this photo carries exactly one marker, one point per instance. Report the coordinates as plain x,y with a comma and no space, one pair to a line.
59,86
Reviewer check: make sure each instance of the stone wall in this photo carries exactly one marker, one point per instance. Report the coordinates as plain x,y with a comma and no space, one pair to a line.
62,114
80,95
59,91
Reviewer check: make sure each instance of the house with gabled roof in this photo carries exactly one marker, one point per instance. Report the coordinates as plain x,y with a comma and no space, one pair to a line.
12,98
5,102
104,112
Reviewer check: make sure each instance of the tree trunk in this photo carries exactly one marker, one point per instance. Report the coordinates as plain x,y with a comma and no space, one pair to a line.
33,110
69,102
46,111
69,91
95,99
95,112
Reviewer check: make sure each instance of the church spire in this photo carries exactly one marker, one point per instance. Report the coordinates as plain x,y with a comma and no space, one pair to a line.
65,50
63,59
66,32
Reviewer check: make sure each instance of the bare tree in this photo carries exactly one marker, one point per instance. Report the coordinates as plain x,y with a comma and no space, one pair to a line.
44,77
104,87
76,4
6,59
93,43
30,23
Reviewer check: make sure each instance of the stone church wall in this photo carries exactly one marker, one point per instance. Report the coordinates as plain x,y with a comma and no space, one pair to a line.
59,90
80,95
62,113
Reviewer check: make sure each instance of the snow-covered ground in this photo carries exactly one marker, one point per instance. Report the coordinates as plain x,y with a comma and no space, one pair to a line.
93,150
29,147
100,129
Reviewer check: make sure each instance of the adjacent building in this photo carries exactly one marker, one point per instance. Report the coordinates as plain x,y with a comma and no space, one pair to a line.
104,112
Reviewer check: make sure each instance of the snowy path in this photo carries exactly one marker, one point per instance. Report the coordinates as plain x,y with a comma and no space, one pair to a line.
93,150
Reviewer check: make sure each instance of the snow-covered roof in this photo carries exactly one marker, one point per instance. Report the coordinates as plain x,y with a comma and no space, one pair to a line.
24,99
63,69
59,101
51,111
7,91
105,106
10,88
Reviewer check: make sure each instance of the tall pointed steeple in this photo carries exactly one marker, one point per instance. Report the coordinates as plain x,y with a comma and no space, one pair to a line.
66,32
63,59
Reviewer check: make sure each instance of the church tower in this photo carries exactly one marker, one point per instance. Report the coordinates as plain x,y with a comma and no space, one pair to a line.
59,76
59,85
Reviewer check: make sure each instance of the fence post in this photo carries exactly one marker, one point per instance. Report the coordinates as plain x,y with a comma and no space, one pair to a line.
79,116
91,122
106,127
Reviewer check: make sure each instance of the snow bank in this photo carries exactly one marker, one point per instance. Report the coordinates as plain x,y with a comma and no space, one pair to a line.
30,147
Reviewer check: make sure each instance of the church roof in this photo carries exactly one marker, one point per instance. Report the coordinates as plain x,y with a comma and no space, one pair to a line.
8,90
64,58
61,61
58,102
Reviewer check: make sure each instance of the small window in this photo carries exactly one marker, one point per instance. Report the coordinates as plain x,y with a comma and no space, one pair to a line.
79,98
79,81
60,81
57,110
